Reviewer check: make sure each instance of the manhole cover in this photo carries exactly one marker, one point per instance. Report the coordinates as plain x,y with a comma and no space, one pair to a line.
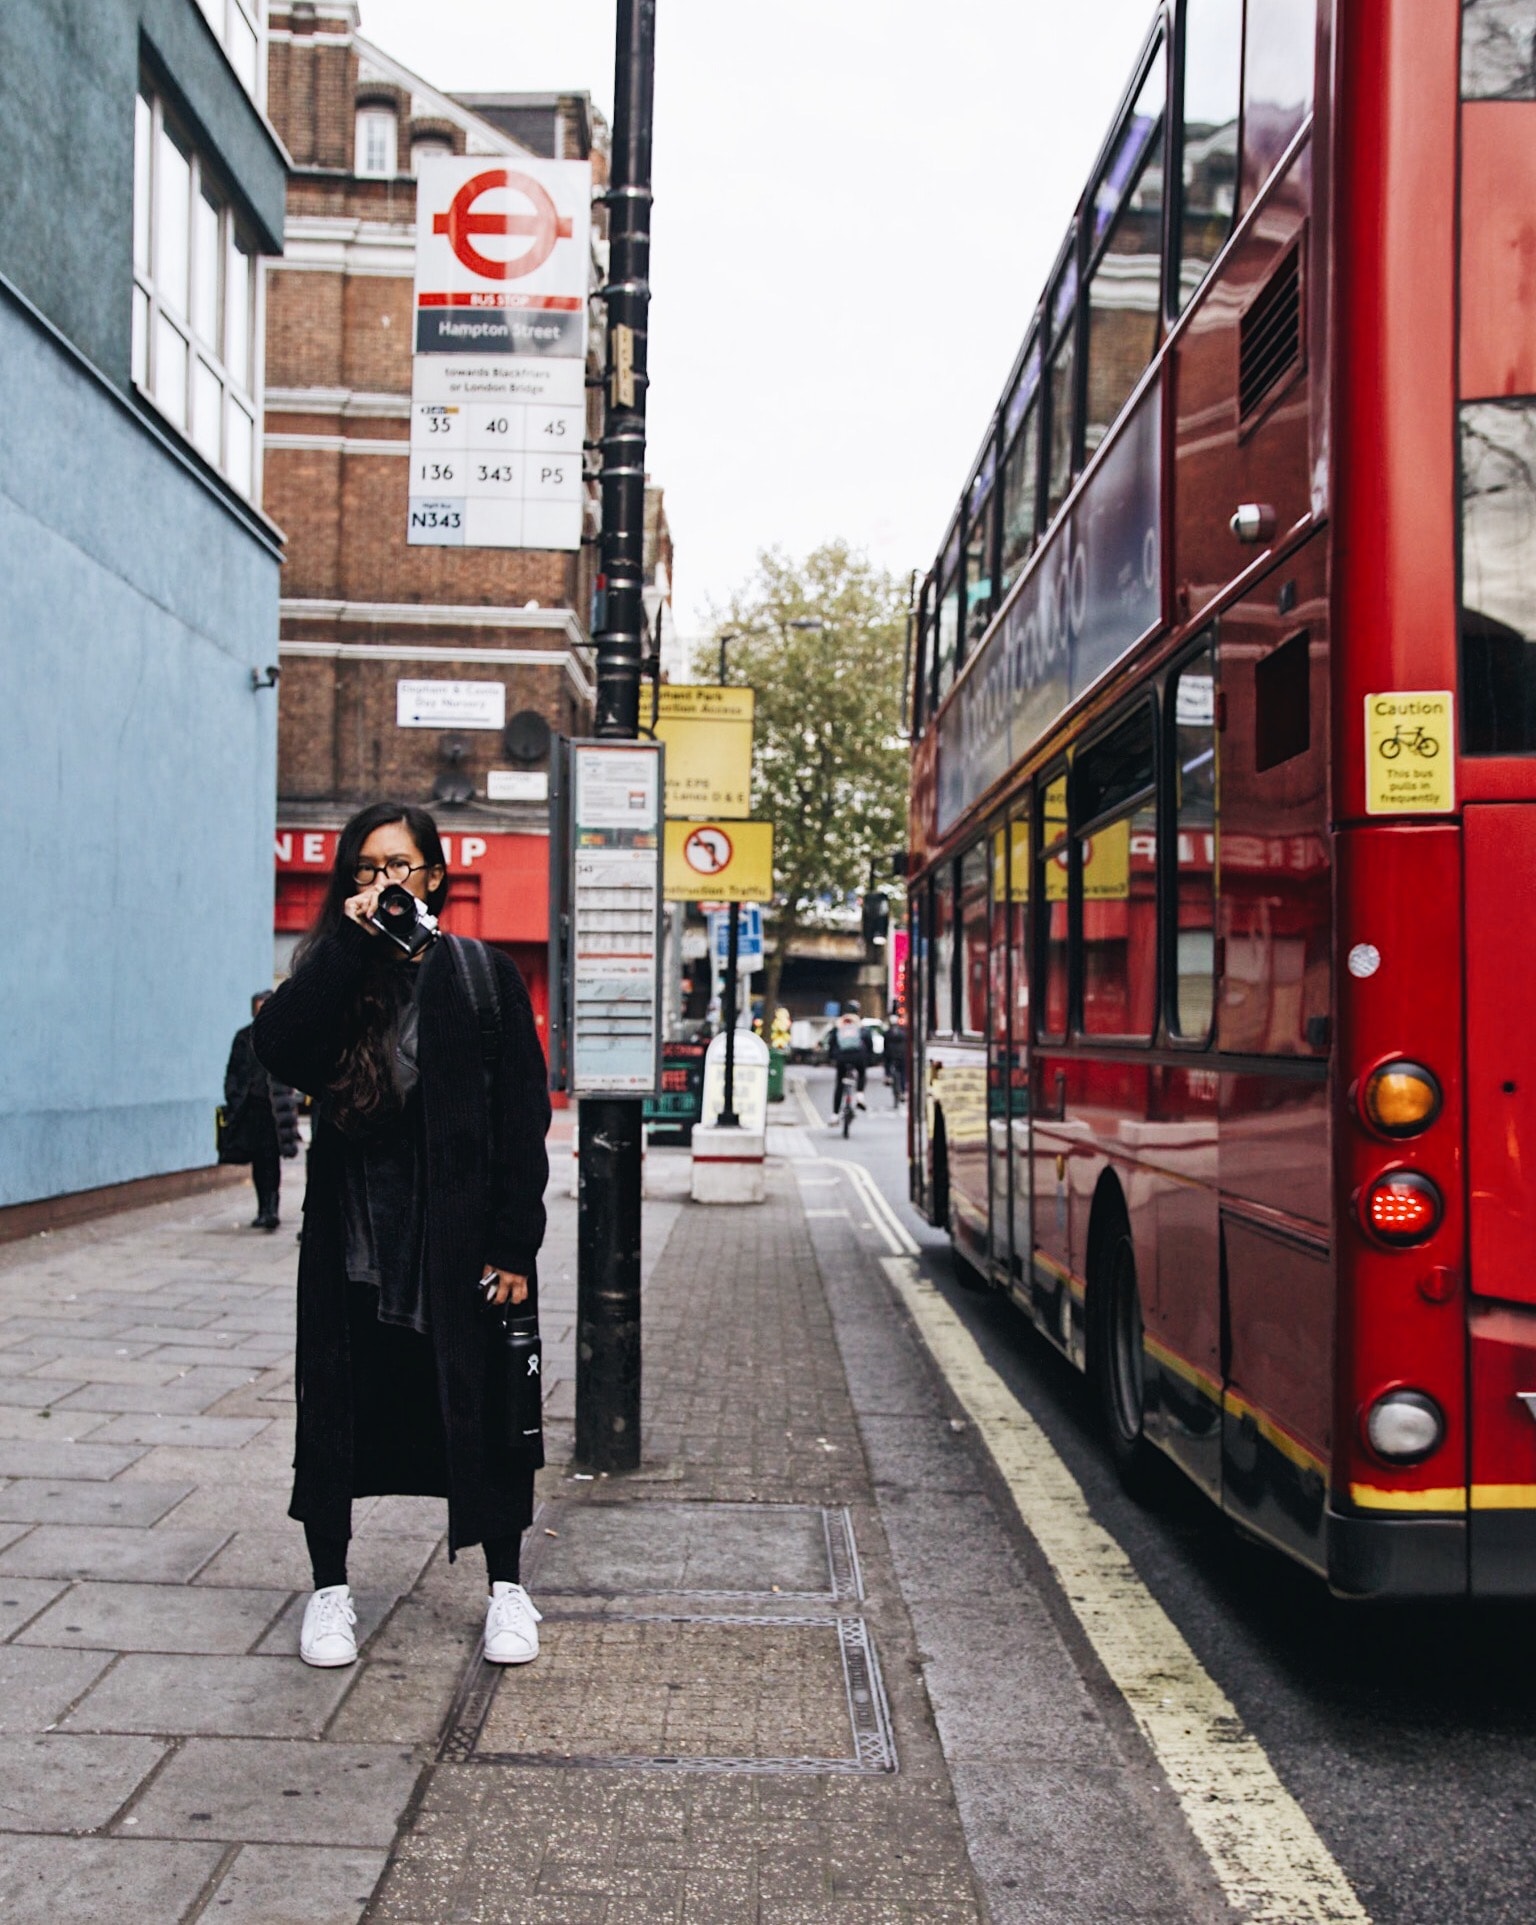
695,1693
700,1550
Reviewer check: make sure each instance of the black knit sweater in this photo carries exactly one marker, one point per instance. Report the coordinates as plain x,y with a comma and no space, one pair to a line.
483,1205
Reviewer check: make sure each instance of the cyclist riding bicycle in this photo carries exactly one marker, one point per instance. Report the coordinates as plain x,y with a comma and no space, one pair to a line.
849,1051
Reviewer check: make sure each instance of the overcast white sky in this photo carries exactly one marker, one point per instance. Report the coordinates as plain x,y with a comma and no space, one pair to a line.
857,202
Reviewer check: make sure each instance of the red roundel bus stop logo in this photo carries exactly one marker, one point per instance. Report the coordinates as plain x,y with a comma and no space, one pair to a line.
544,226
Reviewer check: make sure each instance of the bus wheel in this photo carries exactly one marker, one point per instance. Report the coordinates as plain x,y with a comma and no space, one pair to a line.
1121,1363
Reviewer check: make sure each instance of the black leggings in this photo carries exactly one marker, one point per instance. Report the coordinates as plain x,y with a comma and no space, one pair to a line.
328,1558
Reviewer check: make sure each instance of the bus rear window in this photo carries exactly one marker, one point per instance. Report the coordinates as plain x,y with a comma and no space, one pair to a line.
1498,49
1498,577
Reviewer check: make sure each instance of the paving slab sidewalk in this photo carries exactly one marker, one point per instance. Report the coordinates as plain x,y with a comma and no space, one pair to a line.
731,1717
164,1756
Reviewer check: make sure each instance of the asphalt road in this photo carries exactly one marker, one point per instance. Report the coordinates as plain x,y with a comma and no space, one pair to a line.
1406,1733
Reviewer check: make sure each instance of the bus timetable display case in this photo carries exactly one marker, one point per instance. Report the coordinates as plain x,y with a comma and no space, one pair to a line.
1223,809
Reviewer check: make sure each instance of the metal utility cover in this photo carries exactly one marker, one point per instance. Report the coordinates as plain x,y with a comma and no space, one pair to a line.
686,1693
709,1550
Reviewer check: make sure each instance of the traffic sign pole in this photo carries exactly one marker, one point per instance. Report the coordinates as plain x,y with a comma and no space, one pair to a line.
608,1212
728,1119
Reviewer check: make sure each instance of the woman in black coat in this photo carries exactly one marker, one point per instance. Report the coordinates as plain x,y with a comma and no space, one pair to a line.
424,1210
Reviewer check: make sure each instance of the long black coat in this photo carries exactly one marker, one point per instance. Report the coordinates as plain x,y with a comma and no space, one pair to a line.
482,1207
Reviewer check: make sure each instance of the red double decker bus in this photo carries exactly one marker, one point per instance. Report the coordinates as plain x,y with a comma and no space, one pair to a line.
1223,815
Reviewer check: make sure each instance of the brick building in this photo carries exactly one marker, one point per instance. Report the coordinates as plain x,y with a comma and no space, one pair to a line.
363,612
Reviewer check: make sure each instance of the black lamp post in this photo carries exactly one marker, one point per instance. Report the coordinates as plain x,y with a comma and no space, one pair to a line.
608,1213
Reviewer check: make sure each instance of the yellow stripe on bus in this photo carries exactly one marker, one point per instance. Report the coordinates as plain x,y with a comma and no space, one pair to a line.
1372,1497
1288,1446
1504,1497
1182,1367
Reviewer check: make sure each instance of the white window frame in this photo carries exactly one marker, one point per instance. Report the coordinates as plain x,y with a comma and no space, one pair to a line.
428,144
160,316
369,117
240,26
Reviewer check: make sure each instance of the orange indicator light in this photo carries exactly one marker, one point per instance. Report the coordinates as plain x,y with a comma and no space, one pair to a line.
1400,1098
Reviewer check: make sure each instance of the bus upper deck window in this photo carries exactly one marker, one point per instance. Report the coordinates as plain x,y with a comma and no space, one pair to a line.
1278,70
1498,49
1061,384
1021,474
980,545
1207,190
1125,282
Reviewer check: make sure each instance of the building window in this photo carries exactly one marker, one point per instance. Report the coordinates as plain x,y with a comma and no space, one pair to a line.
377,132
426,150
236,26
194,294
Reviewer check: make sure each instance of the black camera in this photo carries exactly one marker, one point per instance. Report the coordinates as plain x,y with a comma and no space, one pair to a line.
404,918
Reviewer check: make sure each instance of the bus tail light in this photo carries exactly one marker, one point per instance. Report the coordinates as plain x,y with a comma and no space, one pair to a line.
1400,1098
1404,1427
1402,1207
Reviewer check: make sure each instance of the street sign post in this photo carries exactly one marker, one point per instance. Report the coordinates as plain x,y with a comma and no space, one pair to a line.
719,862
749,941
708,733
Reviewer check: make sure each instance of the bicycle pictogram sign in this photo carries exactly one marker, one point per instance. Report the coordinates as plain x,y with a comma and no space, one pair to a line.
1415,740
545,225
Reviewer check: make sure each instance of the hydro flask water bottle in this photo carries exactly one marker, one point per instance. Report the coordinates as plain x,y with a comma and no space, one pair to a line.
525,1390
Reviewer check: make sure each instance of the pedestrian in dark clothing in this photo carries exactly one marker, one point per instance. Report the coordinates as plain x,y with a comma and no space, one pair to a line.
425,1208
268,1119
896,1059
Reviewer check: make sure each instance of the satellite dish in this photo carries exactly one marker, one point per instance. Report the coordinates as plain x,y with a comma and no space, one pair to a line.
526,737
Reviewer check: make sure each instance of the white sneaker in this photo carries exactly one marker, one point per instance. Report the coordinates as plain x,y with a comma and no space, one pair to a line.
327,1638
511,1626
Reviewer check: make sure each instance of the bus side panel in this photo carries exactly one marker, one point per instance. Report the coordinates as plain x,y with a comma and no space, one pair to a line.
1221,463
1183,1306
1274,1008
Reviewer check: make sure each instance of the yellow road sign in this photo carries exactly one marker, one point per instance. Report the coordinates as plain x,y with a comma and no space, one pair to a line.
708,733
1409,752
718,862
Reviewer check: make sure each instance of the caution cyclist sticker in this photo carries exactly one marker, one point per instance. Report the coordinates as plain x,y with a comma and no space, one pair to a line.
1410,752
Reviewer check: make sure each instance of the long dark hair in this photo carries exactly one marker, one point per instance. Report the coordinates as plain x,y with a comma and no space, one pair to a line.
364,1084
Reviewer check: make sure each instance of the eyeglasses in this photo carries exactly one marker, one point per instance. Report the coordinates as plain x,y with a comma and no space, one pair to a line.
394,869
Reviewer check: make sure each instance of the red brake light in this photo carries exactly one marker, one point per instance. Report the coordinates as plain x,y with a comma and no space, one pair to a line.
1403,1207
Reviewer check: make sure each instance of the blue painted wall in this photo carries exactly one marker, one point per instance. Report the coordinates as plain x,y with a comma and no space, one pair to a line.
137,779
137,593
